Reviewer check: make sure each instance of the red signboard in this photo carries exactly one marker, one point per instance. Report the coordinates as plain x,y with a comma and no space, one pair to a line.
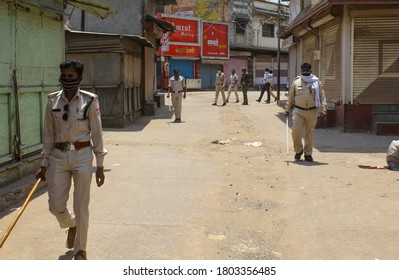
186,30
215,40
183,50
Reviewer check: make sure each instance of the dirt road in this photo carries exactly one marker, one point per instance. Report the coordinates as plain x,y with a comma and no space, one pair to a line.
221,186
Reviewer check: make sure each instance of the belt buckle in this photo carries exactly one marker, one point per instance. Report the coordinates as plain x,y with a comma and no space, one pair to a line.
69,146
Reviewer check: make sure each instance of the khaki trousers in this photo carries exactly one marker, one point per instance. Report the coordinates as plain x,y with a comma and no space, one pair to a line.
65,166
220,89
177,98
232,87
303,121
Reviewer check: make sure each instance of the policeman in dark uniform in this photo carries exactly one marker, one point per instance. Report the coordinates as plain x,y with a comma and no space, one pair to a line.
244,85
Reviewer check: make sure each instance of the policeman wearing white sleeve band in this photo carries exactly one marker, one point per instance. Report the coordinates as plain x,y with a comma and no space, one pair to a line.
306,97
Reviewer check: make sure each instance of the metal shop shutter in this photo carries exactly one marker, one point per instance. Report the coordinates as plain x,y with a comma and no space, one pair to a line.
331,59
310,45
376,60
186,67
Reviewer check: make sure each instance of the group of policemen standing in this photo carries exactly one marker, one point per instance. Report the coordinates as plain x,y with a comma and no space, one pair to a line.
220,84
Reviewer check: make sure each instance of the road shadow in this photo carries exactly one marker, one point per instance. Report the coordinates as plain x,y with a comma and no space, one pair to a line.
306,163
19,200
332,140
165,112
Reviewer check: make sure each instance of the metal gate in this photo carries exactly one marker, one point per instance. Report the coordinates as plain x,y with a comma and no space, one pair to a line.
310,49
29,59
331,57
186,67
376,60
208,75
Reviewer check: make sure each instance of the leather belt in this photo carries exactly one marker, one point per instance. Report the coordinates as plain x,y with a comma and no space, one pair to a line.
306,109
68,146
179,91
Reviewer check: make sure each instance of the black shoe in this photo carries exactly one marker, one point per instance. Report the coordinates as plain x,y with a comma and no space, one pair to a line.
224,104
257,100
214,104
308,158
298,155
177,121
244,103
237,101
267,101
227,101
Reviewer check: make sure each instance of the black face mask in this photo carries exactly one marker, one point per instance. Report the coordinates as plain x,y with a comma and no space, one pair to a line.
306,73
69,84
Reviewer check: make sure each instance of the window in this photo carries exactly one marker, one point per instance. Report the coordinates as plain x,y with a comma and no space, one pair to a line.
241,26
268,30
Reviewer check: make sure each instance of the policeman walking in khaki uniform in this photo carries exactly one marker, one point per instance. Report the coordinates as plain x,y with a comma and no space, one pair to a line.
307,97
177,84
220,82
72,133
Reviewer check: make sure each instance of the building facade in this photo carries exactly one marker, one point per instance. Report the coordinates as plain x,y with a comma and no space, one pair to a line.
353,47
252,28
254,41
135,18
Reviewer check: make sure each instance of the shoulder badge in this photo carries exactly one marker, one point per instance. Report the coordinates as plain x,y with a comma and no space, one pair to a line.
53,94
92,95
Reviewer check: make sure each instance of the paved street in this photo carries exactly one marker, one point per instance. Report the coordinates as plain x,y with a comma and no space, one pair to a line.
205,189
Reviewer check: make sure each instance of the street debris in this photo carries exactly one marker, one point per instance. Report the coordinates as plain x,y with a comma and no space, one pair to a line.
221,142
215,237
254,144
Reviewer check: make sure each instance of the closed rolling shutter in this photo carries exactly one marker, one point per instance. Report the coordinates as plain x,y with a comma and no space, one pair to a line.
331,56
376,60
185,66
310,45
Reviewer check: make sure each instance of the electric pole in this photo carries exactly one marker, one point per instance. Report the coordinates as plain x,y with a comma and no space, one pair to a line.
278,48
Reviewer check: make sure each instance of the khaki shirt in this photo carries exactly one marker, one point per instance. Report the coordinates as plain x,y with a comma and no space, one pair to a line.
233,79
220,80
177,85
302,94
83,123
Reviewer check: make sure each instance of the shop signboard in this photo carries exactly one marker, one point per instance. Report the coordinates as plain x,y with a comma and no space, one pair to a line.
215,40
183,50
187,30
185,41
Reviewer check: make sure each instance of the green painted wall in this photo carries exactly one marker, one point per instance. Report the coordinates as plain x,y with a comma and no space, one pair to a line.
29,60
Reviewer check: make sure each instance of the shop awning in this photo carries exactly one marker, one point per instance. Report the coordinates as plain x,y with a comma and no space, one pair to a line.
164,25
241,16
94,7
100,38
